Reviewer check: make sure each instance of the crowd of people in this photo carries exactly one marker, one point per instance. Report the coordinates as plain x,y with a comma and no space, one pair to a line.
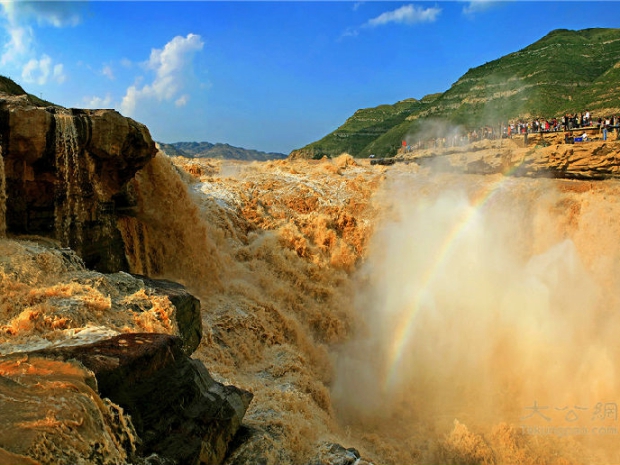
518,127
567,122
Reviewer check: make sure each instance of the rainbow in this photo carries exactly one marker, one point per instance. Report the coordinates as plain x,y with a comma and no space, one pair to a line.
404,324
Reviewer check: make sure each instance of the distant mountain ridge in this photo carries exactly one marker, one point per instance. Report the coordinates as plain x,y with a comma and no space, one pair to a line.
564,72
222,151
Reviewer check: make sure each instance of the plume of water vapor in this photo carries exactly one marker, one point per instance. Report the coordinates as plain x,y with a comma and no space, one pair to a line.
478,308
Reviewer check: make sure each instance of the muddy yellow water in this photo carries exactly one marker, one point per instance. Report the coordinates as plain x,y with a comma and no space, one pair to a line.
419,317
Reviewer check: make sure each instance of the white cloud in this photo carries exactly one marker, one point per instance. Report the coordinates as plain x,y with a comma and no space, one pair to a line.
57,14
98,102
182,100
19,45
19,51
59,73
170,65
350,33
42,70
407,14
477,6
107,72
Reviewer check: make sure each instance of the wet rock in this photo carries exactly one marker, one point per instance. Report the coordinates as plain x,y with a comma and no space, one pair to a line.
66,172
595,160
51,414
334,454
187,310
179,412
77,306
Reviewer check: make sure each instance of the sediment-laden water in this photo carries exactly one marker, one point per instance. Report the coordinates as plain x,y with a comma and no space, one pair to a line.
69,210
474,321
418,317
491,308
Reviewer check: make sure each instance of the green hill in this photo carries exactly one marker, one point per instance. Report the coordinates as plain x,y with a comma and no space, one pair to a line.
361,130
565,71
10,87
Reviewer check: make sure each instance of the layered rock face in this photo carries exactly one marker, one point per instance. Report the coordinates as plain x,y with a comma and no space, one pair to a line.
96,368
545,156
65,175
179,412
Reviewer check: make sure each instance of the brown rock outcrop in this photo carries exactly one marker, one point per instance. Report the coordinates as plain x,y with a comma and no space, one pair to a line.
543,157
116,401
66,170
187,310
179,412
51,413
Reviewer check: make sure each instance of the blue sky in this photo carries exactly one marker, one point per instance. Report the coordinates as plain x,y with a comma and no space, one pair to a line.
271,76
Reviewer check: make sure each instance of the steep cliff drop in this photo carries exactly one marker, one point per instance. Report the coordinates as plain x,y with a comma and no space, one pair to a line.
413,316
168,237
70,336
451,337
477,326
492,312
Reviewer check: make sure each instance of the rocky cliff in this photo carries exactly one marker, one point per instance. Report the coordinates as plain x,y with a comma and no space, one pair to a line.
95,363
65,172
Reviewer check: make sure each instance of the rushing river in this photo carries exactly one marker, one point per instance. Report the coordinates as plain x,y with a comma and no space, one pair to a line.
420,318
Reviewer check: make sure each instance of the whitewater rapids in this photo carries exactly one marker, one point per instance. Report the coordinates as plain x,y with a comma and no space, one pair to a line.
419,317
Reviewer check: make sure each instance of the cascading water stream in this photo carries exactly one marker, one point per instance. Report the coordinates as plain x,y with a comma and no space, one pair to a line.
69,210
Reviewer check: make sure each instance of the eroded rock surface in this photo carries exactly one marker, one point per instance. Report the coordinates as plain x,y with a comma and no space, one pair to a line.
116,401
51,413
179,412
187,310
544,156
66,170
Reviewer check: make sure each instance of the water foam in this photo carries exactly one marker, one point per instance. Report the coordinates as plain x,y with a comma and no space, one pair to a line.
483,312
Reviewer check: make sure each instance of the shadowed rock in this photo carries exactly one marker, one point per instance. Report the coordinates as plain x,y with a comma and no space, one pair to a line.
179,412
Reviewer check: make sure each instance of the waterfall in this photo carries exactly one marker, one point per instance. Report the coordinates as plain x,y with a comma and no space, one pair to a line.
3,195
68,209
